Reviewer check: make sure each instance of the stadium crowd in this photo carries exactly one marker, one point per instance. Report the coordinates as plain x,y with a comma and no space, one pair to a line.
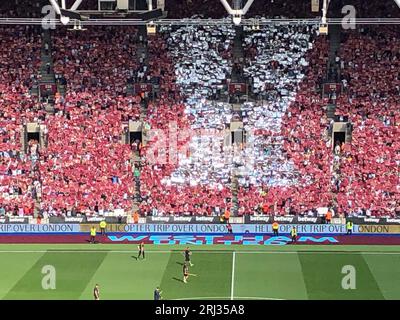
19,178
294,133
370,163
165,185
266,172
94,171
101,59
288,165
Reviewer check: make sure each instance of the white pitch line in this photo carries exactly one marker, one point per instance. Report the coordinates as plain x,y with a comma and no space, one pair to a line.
233,274
201,251
320,252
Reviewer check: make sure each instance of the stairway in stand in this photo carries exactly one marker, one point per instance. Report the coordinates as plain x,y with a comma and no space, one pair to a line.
235,192
47,76
238,56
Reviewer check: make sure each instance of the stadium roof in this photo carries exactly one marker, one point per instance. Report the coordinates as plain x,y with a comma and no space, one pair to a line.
158,17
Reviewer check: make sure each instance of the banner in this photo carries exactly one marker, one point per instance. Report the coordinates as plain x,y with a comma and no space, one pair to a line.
85,219
39,228
217,228
47,89
170,228
332,87
377,229
197,229
301,228
163,228
237,88
372,220
143,88
247,219
183,219
150,219
225,240
14,219
283,219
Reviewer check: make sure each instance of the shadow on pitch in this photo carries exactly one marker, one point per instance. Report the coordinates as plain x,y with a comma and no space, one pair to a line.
180,263
177,279
88,241
134,257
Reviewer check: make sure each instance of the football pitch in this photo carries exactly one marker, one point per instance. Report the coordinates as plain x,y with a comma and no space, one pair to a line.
219,272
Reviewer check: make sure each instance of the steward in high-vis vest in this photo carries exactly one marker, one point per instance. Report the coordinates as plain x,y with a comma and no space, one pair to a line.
293,234
227,215
275,228
103,225
328,216
92,234
349,227
135,217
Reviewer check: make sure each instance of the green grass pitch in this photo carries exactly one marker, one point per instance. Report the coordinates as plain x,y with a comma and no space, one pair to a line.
223,272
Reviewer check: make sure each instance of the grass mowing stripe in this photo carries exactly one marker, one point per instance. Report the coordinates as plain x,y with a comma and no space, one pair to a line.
14,267
323,275
261,274
213,276
386,271
72,273
269,276
124,277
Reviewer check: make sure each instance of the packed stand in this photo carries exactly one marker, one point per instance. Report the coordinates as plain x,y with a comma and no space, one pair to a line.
93,173
299,180
369,181
19,177
202,57
292,167
276,59
178,185
86,168
99,60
